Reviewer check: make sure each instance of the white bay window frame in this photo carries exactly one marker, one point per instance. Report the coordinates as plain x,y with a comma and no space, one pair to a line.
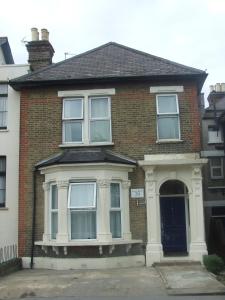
53,210
116,209
174,114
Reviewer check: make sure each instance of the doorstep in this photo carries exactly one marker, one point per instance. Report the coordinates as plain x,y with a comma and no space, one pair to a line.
189,279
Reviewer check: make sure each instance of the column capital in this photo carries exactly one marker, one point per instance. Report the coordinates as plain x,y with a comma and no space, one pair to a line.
126,184
149,174
196,172
46,186
62,184
103,183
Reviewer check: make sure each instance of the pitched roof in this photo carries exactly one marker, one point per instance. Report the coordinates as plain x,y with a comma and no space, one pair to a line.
111,60
82,156
4,45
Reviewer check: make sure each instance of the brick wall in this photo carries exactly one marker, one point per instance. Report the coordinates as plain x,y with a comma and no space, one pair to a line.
134,134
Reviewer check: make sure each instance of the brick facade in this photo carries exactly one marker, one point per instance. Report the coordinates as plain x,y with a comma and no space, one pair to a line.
133,111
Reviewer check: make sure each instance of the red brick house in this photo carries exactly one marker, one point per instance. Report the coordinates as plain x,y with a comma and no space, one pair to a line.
110,172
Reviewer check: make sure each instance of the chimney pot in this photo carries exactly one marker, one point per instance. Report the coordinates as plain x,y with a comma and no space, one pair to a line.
44,34
223,87
218,87
34,34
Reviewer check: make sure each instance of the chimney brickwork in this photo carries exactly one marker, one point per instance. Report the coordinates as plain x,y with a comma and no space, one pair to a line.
40,51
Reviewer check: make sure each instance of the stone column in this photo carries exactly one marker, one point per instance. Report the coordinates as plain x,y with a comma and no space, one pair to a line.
154,251
103,210
197,238
63,235
125,210
47,233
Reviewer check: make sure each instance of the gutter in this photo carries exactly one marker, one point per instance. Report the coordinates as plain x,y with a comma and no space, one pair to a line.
33,219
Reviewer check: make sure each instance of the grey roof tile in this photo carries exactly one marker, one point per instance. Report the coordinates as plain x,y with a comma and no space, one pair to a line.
111,60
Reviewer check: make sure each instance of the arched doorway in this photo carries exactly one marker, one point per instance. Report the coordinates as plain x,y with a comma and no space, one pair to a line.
174,217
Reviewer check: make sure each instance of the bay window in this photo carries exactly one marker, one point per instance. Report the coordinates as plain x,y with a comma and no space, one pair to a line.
82,206
54,210
115,210
168,124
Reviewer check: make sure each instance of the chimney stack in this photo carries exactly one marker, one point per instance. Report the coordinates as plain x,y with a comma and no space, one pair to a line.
40,51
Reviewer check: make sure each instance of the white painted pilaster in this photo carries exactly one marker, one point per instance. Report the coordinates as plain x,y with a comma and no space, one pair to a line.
103,209
126,234
62,235
154,251
47,234
197,242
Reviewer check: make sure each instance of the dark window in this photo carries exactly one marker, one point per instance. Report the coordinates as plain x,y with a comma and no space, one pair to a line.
2,180
3,105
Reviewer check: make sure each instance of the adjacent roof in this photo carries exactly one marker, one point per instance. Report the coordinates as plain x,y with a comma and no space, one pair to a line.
4,45
108,61
82,156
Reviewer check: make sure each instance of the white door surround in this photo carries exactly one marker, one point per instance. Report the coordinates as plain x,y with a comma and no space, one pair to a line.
158,169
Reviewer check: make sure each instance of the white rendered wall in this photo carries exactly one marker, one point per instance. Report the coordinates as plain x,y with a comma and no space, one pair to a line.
9,147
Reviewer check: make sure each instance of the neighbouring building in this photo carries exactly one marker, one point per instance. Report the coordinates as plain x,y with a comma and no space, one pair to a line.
9,151
110,171
213,132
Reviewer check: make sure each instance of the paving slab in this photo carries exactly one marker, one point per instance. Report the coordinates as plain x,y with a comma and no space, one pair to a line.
189,279
129,282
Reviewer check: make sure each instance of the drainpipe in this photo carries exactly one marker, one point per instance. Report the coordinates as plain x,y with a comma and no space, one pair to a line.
33,219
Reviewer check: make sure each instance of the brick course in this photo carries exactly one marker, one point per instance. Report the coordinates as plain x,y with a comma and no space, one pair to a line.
134,134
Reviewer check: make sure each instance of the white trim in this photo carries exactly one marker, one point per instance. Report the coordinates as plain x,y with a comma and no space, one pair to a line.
214,203
167,89
93,92
212,153
68,145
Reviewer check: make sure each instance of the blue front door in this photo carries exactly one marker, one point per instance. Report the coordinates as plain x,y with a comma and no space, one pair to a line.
173,225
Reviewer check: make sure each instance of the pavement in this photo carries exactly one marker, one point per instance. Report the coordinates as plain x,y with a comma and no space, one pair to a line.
132,283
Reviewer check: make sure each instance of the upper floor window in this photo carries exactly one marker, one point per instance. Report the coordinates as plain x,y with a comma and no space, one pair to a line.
87,120
3,105
2,180
214,134
216,167
168,123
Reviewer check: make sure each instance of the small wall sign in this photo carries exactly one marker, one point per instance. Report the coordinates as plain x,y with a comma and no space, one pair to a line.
137,193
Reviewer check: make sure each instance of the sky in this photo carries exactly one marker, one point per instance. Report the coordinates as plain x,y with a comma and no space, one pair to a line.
191,32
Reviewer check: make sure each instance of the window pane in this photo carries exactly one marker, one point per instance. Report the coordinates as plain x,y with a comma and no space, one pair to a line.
216,161
54,197
168,127
54,225
3,116
167,104
83,224
115,194
3,103
99,108
216,172
115,224
100,131
3,88
73,131
73,108
82,195
2,191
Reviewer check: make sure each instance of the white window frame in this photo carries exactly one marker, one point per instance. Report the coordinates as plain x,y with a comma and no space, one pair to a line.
81,119
79,208
216,167
117,209
53,210
90,119
5,95
168,114
215,138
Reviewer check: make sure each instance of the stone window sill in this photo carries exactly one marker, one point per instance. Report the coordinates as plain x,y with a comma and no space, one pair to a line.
69,145
4,208
56,245
4,130
169,141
